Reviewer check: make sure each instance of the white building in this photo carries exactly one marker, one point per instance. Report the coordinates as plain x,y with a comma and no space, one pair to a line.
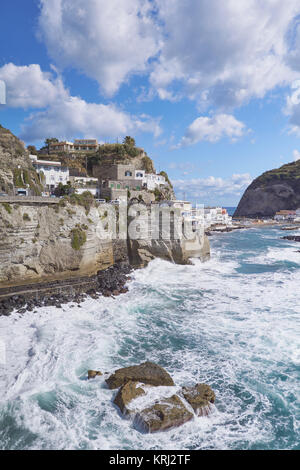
53,172
86,145
285,215
183,205
153,181
93,191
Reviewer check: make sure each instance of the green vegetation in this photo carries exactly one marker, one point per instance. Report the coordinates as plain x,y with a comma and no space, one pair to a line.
7,207
78,238
165,175
49,141
25,178
26,217
129,141
147,164
285,172
18,178
85,199
158,195
63,190
32,149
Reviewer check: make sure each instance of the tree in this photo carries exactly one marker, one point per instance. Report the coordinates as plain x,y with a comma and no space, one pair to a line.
49,141
63,190
129,141
32,149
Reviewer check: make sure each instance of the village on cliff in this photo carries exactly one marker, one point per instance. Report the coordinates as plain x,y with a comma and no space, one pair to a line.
106,172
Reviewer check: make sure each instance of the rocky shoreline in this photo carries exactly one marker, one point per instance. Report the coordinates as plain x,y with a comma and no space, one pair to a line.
149,413
109,282
292,238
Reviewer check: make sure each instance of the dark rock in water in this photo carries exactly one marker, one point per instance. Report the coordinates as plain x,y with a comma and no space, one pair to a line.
271,192
167,414
94,373
199,397
291,238
126,394
147,373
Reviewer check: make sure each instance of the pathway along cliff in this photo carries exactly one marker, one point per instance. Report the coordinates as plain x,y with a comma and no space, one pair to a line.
271,192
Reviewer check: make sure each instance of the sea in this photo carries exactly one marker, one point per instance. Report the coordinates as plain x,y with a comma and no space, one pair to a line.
232,322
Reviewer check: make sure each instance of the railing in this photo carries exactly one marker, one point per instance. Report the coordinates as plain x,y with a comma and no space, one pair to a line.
29,199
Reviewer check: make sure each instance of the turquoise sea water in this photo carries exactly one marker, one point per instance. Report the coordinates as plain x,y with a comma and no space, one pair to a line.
232,322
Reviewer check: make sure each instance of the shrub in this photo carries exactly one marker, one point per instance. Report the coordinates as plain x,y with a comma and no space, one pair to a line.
78,238
26,217
7,207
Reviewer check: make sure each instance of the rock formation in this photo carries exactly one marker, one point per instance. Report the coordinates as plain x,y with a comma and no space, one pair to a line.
167,414
92,374
271,192
147,394
147,373
199,397
44,241
128,392
16,169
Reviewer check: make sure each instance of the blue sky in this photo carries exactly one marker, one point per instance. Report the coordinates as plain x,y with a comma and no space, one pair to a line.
211,90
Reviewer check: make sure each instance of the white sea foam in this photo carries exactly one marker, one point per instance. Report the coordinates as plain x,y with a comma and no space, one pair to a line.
211,322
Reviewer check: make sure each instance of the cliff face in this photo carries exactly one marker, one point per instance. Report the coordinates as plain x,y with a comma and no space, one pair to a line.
141,252
43,243
16,169
40,243
273,191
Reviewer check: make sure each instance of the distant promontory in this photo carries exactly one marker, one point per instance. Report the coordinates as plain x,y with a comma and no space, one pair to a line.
271,192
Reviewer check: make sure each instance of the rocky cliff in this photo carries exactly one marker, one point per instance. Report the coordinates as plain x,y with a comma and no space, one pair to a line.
16,170
43,241
273,191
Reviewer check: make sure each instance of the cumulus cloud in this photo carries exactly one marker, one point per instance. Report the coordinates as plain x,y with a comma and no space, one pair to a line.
227,52
212,188
29,87
219,53
63,115
296,155
212,129
74,116
292,108
107,40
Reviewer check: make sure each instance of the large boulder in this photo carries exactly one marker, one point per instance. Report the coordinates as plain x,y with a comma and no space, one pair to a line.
94,373
167,414
147,373
199,397
126,394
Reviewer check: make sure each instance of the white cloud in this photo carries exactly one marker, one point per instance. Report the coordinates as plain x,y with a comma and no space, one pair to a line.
212,188
75,117
27,86
107,40
292,108
220,53
227,52
296,155
212,129
62,115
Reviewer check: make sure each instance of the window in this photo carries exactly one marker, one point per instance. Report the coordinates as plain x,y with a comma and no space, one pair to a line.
128,173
